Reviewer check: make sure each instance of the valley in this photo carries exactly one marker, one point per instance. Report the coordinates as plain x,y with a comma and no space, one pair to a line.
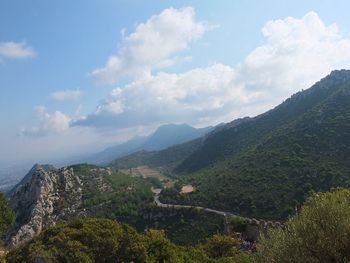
175,131
249,175
264,166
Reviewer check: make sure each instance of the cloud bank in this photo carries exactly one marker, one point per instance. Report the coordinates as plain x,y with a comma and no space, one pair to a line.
295,53
55,122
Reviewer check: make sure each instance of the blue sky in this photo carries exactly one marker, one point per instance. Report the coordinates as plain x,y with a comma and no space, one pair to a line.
205,62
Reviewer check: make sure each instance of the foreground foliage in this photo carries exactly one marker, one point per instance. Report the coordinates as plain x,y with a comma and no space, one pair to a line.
321,233
104,240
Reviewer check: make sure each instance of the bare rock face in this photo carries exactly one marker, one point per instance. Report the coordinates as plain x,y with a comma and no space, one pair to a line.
43,199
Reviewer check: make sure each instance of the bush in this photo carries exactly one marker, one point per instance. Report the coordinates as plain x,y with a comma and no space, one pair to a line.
239,224
219,246
321,233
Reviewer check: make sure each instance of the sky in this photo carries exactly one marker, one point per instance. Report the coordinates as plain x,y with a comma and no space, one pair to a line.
78,76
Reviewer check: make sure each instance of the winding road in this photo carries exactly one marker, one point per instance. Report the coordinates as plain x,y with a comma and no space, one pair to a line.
157,191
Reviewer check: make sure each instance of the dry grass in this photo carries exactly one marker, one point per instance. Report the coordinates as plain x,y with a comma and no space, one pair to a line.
147,172
186,189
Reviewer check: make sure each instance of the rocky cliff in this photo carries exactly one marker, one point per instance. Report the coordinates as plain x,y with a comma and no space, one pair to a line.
44,197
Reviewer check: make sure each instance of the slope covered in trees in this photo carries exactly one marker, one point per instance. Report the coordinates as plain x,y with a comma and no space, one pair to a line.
264,166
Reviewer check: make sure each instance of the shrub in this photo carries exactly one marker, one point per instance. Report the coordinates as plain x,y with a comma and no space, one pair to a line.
320,233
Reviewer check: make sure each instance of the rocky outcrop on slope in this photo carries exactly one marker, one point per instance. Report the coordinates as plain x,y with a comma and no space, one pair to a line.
43,198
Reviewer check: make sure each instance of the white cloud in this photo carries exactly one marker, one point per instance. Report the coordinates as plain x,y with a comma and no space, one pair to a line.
295,54
63,95
56,122
15,50
199,94
152,45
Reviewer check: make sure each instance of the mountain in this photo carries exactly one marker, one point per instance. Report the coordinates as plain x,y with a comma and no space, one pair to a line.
133,145
171,134
165,136
242,134
29,175
165,160
264,166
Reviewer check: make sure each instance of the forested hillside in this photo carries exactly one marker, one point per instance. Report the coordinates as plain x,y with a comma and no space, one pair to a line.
266,165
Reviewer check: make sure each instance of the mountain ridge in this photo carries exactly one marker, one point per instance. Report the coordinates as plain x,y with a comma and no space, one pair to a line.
163,137
277,116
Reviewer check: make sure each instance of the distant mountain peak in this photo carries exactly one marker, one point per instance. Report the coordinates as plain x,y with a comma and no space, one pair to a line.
164,136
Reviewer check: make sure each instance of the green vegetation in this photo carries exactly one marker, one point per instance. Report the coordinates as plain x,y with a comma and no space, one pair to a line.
182,226
264,166
7,216
114,195
321,233
219,246
102,240
238,224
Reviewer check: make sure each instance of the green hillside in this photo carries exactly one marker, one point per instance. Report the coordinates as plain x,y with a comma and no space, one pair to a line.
129,199
266,165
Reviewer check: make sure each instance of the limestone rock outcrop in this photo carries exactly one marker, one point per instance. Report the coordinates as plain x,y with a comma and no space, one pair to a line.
44,197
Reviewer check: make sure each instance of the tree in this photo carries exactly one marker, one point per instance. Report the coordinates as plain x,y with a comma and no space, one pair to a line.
219,246
238,224
320,233
159,248
7,216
